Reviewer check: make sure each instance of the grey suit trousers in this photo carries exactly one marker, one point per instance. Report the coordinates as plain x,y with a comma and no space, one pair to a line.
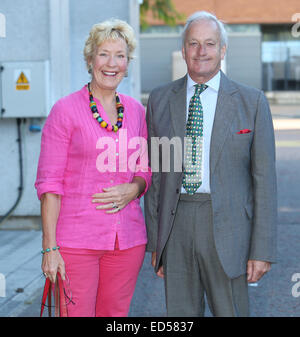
192,267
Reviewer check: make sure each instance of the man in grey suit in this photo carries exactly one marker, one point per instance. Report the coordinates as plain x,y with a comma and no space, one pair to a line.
211,225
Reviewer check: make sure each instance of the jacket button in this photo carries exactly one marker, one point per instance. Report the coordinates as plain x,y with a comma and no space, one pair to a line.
173,212
177,190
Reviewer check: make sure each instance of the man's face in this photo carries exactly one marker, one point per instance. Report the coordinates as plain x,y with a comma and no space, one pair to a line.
202,50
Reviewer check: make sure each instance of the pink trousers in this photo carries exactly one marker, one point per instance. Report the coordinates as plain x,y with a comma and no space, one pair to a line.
101,283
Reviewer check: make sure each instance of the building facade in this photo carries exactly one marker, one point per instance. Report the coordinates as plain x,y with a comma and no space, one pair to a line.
263,49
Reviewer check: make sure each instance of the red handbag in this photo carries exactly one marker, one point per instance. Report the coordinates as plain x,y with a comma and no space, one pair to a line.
57,291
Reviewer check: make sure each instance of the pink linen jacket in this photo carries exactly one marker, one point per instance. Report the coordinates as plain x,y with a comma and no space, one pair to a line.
78,158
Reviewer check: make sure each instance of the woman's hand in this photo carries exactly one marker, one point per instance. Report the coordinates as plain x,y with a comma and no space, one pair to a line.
53,263
117,197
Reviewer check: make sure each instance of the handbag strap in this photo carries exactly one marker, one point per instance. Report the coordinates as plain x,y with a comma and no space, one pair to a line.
62,298
59,297
49,299
56,297
47,290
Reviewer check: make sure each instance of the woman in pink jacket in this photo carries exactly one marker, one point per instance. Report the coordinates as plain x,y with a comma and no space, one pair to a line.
92,171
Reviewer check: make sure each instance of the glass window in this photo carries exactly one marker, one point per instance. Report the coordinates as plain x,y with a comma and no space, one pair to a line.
163,30
237,28
280,58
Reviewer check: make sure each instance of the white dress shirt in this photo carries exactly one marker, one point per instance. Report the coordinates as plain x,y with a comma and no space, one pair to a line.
209,101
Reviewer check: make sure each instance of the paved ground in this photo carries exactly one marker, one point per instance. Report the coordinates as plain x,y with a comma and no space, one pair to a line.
274,296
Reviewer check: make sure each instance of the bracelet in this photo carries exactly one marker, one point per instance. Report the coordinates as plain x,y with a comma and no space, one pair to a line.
49,250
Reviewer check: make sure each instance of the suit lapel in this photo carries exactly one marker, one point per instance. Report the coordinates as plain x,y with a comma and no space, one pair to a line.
225,111
177,103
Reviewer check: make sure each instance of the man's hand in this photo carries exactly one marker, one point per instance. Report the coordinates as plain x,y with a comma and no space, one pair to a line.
160,272
256,269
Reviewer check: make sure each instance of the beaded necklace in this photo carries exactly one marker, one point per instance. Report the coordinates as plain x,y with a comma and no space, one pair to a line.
100,120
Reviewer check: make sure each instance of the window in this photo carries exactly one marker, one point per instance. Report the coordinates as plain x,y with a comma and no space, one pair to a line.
280,58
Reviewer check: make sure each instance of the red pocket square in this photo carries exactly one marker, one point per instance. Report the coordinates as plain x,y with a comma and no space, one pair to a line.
243,131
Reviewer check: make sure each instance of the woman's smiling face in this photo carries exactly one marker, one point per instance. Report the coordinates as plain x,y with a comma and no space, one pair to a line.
110,63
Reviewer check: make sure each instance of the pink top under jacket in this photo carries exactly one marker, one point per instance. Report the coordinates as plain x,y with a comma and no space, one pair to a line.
78,158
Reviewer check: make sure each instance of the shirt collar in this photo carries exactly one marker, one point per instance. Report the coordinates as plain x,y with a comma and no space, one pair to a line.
213,83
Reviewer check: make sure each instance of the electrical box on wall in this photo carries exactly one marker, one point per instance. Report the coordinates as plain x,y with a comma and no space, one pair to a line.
24,89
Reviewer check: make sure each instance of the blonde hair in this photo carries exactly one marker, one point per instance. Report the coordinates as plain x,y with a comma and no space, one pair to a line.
111,29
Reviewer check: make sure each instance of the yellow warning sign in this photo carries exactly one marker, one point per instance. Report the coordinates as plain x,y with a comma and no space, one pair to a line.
22,82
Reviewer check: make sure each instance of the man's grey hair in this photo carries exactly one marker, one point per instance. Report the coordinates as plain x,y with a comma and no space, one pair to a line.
203,15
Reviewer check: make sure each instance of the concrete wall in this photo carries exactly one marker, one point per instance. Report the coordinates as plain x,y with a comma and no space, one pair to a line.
53,30
243,60
156,59
83,14
27,30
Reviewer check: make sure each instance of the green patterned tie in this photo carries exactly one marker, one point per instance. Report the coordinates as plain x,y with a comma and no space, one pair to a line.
192,176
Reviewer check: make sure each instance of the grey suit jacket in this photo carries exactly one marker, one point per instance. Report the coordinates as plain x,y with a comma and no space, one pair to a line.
242,173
